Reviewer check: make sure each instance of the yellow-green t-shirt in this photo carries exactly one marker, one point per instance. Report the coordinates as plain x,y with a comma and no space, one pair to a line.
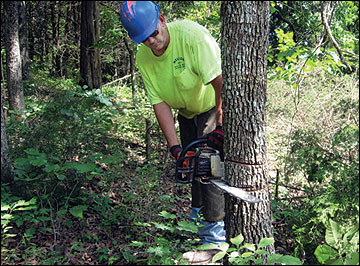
180,77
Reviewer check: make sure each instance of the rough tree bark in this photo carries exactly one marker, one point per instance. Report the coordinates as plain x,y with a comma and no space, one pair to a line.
23,39
13,58
7,174
244,45
55,21
90,68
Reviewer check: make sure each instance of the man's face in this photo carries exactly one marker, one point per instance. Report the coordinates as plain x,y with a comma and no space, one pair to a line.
158,40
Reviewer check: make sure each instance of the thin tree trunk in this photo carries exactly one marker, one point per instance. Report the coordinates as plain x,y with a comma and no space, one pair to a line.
55,21
90,68
148,138
245,31
132,69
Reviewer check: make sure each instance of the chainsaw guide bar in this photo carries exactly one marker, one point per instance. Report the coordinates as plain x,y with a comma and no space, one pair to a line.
234,191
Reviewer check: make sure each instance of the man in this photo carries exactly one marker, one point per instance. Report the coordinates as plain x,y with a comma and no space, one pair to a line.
181,67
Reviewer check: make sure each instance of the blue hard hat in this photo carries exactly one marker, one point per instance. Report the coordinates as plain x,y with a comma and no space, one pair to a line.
139,18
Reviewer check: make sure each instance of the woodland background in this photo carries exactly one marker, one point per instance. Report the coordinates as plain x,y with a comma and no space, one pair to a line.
94,182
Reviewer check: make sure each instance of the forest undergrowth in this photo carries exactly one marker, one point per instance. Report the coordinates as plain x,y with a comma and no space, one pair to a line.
95,183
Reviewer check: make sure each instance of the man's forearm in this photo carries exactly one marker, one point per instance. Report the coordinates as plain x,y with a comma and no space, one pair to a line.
166,121
217,84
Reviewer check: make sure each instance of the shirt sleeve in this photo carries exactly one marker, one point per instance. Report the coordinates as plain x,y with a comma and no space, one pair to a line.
207,57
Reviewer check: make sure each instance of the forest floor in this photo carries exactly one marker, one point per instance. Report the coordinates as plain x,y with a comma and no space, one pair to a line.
78,242
104,237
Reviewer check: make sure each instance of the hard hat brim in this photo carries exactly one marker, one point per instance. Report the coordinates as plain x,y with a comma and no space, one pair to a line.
145,34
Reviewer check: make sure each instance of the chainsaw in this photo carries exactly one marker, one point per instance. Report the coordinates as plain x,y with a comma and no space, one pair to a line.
206,165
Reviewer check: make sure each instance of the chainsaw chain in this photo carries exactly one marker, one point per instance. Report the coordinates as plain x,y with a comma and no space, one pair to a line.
250,188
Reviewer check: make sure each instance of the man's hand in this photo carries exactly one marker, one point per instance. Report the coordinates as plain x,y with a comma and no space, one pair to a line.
216,138
176,151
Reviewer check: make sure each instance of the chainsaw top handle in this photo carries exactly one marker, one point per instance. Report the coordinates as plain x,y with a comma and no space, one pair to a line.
191,144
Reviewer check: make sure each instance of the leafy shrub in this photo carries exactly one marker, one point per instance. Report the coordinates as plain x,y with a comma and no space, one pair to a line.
342,245
157,248
332,172
252,254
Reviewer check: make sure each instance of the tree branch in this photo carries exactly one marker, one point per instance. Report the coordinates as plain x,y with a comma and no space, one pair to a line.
324,6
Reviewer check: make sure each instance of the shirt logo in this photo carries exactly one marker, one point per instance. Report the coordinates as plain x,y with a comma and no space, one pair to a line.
179,65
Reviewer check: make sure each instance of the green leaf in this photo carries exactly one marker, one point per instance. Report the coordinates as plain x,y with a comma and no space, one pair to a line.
237,240
207,246
352,259
142,224
325,252
60,176
84,168
97,91
137,244
258,261
350,233
249,246
158,251
61,212
234,254
186,226
289,260
127,255
4,207
77,247
38,162
21,161
51,167
104,100
261,252
30,231
266,242
165,227
167,215
23,205
32,151
6,217
218,256
224,246
247,254
77,211
335,261
333,234
273,258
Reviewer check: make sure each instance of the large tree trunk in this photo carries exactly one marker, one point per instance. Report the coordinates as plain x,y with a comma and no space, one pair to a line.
13,58
23,39
90,68
7,174
245,32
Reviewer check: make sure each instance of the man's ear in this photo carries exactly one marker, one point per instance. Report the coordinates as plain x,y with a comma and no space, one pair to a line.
162,19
